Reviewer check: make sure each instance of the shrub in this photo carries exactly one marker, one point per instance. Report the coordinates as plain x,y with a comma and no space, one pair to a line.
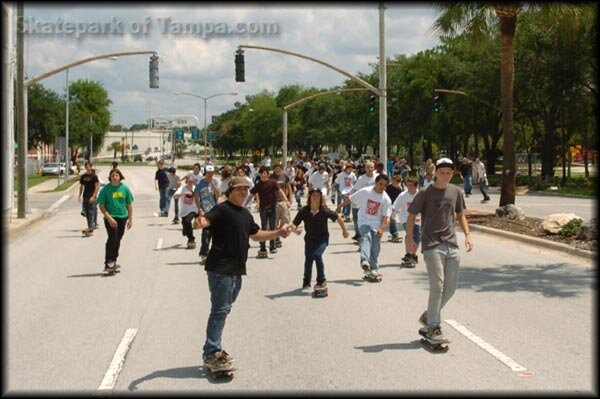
571,229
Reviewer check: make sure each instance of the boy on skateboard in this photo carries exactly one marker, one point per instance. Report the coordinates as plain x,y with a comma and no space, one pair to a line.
401,205
315,215
231,226
440,205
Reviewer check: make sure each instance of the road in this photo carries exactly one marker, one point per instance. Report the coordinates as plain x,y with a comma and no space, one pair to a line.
527,311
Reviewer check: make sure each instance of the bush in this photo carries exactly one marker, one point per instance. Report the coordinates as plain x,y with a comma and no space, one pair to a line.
571,229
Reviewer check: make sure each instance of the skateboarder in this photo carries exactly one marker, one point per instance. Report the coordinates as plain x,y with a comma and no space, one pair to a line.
401,205
315,215
438,205
188,210
206,194
115,201
232,226
374,210
89,187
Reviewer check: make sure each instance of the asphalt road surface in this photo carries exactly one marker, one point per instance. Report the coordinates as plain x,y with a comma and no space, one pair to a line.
520,321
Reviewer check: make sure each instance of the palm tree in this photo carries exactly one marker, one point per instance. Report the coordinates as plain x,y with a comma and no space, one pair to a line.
482,18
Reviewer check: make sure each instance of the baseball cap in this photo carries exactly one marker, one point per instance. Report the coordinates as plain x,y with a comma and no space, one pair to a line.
444,163
322,166
314,190
209,168
238,181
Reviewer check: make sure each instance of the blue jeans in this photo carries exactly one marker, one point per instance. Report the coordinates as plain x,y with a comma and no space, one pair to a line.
355,220
163,202
313,251
347,208
393,227
370,246
224,290
468,184
298,194
267,222
91,211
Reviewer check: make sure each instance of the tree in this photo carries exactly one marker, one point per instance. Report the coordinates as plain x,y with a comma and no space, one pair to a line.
45,116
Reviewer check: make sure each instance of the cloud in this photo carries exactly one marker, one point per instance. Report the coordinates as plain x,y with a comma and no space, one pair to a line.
345,36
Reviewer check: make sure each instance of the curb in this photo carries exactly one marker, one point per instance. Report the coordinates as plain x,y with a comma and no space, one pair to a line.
535,241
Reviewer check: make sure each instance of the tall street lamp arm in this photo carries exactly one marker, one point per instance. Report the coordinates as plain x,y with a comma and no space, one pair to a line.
464,93
348,74
36,79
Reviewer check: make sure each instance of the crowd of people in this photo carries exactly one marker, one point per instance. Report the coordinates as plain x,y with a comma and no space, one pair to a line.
220,201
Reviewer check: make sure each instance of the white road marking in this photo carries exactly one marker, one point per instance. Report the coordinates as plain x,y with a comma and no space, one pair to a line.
59,202
112,374
514,366
159,244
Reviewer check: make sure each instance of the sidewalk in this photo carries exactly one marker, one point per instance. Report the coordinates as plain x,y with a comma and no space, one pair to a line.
14,224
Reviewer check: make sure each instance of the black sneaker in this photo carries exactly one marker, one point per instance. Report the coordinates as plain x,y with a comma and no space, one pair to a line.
83,213
356,237
273,250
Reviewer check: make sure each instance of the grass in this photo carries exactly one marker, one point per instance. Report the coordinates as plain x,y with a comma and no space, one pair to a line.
34,180
65,185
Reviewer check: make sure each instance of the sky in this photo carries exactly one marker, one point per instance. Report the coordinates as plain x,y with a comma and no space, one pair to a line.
346,36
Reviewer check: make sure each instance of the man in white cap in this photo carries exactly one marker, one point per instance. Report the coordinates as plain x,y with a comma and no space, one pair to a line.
232,226
206,194
438,205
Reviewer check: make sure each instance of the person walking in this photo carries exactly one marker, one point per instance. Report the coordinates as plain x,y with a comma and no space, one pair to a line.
232,226
89,187
161,183
188,210
265,191
374,210
482,180
315,215
195,174
206,195
465,169
400,206
345,182
115,201
282,207
298,185
174,183
393,190
440,206
320,179
365,180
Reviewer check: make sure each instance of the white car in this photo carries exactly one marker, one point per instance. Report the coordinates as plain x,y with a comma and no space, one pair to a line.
53,168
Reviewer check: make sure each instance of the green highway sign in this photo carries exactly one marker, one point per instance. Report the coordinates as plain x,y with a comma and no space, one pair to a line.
179,134
195,134
212,136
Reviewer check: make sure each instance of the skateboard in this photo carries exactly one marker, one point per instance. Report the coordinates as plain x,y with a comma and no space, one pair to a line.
262,254
111,271
218,374
373,278
432,345
278,244
396,239
409,264
87,232
320,292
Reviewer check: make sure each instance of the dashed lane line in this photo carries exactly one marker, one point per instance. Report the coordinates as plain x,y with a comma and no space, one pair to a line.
510,363
116,365
159,244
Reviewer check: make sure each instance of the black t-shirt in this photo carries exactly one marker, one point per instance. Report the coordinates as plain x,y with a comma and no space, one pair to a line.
315,225
465,169
231,227
161,176
267,193
88,180
282,181
393,192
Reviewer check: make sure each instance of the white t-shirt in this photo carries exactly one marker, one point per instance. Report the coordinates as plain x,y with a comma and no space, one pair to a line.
319,180
402,203
372,206
186,204
194,177
362,182
346,181
426,183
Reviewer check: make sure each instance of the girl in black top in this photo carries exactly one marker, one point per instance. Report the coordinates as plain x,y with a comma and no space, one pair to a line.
315,216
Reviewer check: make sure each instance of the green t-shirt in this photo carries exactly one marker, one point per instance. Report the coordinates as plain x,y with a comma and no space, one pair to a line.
115,199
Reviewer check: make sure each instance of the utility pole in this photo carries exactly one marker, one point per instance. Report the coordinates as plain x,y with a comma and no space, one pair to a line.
382,90
21,119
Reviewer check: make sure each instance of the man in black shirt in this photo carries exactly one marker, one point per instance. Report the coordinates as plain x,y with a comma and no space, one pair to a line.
161,183
466,173
89,185
231,225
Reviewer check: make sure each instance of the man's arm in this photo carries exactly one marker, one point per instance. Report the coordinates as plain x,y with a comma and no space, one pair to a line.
265,235
343,226
130,217
462,219
384,222
410,225
95,193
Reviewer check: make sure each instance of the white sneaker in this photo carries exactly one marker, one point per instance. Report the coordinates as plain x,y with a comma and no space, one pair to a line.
365,265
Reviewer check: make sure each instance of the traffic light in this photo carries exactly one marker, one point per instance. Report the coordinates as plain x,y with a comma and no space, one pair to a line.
372,103
239,66
154,71
437,104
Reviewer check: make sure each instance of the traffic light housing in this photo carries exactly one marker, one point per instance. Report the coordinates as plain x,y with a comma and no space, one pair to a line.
372,103
154,71
239,66
437,104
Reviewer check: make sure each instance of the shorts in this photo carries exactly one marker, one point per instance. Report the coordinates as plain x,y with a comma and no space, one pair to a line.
282,213
416,232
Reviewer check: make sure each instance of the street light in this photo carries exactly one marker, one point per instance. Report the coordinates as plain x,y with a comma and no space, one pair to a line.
205,100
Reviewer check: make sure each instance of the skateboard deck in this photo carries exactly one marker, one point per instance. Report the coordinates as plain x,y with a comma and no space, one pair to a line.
320,292
112,271
432,345
410,264
87,232
219,374
372,278
262,254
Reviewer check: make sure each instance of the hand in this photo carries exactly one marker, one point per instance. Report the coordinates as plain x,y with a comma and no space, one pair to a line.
345,234
379,233
112,222
284,231
468,243
338,208
411,246
129,223
92,200
298,230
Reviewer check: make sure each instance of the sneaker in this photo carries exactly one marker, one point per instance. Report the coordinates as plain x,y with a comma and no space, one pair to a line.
203,260
435,334
227,357
322,284
405,258
278,243
216,361
305,286
175,221
83,213
191,244
96,226
415,258
423,318
273,250
356,237
365,265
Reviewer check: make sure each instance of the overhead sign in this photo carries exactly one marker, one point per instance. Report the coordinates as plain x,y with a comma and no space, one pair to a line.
212,136
195,134
179,134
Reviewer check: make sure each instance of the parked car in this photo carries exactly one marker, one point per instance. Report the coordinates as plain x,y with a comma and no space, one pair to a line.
150,158
53,168
137,158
